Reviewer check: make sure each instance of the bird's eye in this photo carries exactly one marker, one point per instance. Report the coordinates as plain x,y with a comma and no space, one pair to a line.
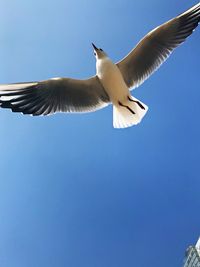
95,54
101,49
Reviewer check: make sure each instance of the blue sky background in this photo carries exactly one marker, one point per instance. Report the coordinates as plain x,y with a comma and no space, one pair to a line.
74,191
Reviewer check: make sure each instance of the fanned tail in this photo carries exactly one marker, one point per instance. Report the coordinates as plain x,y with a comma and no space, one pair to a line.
128,113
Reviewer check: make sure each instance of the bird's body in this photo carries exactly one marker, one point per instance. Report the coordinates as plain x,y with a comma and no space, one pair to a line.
126,111
112,80
112,83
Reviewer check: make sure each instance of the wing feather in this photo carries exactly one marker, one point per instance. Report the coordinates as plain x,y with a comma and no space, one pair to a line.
152,51
54,95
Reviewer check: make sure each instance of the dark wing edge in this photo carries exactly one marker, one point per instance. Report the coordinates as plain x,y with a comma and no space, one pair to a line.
154,49
54,95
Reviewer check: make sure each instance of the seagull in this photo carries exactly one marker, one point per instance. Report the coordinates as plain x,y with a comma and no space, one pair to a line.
112,82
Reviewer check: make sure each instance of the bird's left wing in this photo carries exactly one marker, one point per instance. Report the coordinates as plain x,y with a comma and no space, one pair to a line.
54,95
157,46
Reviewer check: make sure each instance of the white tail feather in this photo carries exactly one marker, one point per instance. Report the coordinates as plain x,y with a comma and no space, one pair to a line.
123,116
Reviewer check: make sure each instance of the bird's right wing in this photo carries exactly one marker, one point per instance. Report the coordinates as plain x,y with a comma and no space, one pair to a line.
157,46
54,95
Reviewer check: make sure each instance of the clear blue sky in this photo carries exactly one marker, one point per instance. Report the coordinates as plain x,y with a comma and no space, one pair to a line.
74,191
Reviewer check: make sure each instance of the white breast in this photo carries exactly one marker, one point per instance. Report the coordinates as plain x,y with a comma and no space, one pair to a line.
112,80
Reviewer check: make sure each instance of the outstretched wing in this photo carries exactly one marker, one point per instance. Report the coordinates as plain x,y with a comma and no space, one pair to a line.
157,46
54,95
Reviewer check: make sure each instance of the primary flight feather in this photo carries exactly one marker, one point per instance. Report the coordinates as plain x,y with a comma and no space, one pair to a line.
112,82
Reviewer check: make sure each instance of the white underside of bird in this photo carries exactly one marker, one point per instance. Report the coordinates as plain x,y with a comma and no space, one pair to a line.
127,110
112,82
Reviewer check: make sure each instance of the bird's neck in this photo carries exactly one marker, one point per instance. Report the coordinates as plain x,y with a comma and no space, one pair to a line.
103,61
103,65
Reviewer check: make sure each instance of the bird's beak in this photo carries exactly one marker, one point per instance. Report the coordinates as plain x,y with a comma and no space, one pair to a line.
94,46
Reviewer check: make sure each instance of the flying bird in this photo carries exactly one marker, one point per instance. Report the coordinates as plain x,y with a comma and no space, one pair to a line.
112,82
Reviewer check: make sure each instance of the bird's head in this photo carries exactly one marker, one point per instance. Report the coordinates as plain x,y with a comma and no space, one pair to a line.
98,52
